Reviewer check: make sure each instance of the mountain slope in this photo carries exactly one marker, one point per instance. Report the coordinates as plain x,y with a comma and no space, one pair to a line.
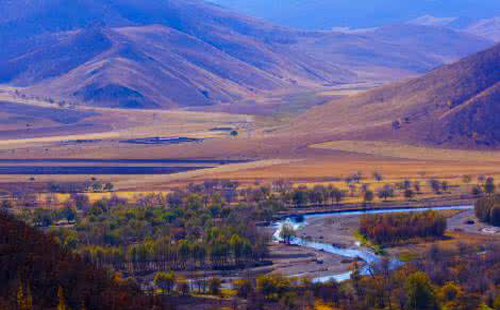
454,105
158,66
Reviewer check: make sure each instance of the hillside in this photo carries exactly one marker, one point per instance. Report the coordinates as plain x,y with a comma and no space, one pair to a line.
158,66
35,268
454,105
176,53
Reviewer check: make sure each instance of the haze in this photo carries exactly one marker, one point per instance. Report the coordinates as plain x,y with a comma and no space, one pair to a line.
325,14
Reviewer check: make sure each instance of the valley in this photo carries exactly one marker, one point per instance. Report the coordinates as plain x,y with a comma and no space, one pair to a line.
177,154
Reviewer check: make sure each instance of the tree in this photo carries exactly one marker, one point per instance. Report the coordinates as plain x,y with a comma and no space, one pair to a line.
68,213
97,186
445,186
489,186
337,195
24,301
244,287
108,187
61,301
299,197
377,176
287,233
416,186
420,294
183,286
236,243
386,192
436,186
6,204
273,286
477,191
368,196
496,303
466,179
214,286
409,194
449,292
165,281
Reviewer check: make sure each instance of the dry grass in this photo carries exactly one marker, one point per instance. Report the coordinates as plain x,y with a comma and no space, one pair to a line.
131,196
157,181
397,150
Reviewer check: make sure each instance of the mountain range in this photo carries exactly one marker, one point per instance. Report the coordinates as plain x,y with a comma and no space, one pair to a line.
327,14
178,53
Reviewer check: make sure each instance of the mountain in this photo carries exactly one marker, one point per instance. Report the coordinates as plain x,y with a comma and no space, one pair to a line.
487,28
327,14
412,49
158,66
429,20
178,53
150,54
455,105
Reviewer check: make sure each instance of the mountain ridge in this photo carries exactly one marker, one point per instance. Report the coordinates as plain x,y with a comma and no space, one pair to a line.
182,53
454,105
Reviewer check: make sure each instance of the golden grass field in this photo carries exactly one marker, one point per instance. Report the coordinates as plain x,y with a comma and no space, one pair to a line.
397,150
299,159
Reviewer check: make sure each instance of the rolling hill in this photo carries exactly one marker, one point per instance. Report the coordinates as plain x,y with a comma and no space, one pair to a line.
455,105
178,53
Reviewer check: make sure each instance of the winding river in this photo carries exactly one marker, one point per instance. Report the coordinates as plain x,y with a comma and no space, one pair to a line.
368,256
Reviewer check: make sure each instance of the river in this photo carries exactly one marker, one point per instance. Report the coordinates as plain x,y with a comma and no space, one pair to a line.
368,256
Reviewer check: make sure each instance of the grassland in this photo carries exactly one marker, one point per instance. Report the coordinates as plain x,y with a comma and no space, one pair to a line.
296,158
398,150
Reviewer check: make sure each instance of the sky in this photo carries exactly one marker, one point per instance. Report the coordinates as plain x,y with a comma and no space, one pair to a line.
326,14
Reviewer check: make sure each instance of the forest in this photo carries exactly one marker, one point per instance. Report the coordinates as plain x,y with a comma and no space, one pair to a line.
36,272
394,228
180,231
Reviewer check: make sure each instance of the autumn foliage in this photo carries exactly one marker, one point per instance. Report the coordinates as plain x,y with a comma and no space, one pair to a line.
395,228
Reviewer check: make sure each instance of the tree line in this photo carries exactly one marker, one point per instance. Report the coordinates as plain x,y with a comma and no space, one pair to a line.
487,209
179,231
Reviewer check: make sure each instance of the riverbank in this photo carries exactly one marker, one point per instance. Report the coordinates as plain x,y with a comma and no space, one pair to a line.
302,261
358,207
